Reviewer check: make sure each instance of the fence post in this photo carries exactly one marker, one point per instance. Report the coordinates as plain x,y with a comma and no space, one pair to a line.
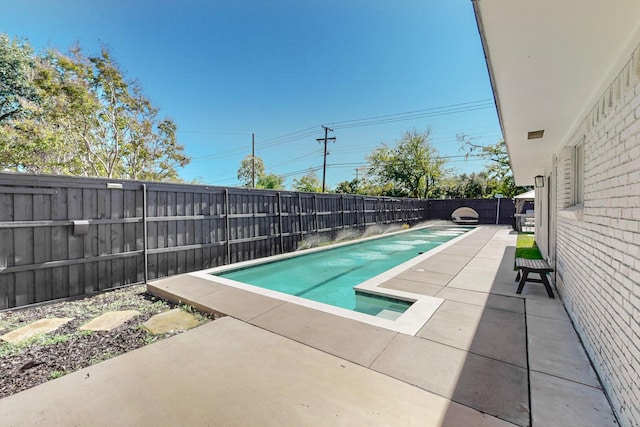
364,213
300,216
145,233
342,201
226,226
315,213
280,223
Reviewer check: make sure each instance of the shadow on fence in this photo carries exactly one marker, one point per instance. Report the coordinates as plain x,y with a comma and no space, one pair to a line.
67,236
64,236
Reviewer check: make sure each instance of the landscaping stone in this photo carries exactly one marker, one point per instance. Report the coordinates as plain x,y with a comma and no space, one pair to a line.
109,321
172,320
38,327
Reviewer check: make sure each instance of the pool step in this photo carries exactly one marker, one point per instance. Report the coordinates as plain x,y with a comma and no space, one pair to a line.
389,314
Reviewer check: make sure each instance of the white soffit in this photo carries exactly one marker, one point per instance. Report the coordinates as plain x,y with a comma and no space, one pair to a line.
548,60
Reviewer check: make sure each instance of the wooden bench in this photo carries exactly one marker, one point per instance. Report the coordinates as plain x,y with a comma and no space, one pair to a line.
540,266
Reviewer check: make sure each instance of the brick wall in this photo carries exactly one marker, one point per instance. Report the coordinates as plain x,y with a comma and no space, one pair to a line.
598,244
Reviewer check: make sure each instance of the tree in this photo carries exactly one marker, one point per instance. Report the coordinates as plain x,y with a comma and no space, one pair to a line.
271,181
89,120
498,171
245,173
309,183
17,66
133,142
362,185
37,140
413,166
347,187
263,180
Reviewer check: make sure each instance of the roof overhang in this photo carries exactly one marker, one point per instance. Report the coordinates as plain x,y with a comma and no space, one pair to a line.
548,61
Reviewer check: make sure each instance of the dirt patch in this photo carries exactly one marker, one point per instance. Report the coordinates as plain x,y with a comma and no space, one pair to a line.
68,349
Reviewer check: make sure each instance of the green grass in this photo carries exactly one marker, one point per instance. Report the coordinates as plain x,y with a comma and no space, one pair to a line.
56,374
526,247
7,349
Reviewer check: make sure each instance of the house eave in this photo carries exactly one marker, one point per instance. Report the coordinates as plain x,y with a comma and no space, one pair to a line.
548,62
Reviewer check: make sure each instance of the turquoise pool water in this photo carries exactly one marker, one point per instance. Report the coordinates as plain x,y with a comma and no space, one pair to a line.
329,276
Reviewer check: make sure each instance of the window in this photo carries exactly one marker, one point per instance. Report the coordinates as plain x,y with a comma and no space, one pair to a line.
578,174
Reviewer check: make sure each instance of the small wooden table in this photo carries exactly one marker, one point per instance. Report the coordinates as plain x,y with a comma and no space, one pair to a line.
540,266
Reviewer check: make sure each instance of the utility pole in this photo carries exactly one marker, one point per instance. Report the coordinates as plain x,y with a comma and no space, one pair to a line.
324,166
253,160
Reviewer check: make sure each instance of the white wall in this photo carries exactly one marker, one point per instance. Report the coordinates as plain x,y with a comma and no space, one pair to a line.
598,243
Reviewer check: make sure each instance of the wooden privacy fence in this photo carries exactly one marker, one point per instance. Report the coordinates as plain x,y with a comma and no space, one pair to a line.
488,209
65,236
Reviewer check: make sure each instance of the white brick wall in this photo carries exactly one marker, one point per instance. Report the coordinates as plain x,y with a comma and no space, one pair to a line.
598,257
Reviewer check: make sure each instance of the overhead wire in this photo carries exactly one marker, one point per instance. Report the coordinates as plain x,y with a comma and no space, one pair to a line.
346,124
302,171
285,162
352,123
412,115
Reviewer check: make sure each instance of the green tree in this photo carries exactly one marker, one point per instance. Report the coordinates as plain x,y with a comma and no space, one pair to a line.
413,166
475,185
90,120
245,172
498,171
366,186
309,183
347,187
39,140
133,141
271,181
17,67
264,180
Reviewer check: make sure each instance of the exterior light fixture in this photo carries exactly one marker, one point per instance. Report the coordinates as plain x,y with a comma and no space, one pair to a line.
114,185
539,181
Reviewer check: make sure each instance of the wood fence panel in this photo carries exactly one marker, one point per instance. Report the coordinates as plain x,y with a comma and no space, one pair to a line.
130,243
75,244
117,238
104,239
187,228
7,284
59,243
90,210
42,250
23,243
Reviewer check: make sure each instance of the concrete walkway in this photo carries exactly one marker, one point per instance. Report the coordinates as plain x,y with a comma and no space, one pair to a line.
485,358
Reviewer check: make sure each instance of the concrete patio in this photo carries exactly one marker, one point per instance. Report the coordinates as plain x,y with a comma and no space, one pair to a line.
486,357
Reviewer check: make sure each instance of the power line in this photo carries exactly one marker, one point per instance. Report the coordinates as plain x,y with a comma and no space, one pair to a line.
412,117
463,105
289,134
352,123
387,118
302,171
205,132
220,154
285,162
447,158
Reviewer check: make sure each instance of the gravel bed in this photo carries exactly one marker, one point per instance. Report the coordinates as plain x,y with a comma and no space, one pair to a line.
67,349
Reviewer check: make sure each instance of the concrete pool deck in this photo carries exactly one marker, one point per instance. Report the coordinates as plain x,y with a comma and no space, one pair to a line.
486,357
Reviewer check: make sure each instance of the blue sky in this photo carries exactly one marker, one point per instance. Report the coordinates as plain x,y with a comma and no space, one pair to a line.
281,69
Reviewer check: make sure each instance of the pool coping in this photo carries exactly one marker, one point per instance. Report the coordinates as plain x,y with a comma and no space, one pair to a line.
409,322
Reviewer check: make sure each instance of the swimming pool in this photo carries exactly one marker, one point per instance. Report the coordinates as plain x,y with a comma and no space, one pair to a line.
329,276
